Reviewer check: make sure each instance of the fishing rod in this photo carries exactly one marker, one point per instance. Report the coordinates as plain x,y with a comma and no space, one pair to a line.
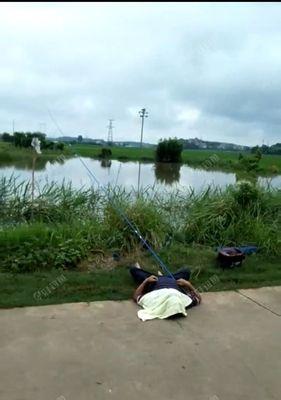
132,226
119,211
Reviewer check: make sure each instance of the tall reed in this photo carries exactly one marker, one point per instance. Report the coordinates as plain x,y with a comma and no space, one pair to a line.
69,224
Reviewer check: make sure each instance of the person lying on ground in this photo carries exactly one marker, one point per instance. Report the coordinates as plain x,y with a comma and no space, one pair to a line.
163,296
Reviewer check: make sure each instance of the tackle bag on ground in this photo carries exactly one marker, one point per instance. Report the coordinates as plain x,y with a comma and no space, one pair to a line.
230,257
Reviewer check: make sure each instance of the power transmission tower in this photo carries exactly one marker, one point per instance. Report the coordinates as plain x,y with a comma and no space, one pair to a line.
143,114
110,132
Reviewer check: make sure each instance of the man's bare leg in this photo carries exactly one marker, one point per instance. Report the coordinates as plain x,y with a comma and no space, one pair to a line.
159,273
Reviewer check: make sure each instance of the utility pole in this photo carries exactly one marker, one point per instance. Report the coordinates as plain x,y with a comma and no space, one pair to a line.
110,132
143,114
13,126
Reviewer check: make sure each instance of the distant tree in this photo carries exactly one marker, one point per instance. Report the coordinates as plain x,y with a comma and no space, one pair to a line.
49,145
169,150
6,137
105,153
80,139
19,138
24,139
254,149
250,163
258,154
28,139
59,146
275,149
265,149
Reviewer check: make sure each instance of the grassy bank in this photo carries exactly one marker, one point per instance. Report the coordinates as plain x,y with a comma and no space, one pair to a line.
206,159
75,233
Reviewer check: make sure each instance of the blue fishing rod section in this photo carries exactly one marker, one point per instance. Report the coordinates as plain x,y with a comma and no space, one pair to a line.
131,225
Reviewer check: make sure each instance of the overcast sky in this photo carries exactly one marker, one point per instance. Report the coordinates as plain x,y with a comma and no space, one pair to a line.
211,71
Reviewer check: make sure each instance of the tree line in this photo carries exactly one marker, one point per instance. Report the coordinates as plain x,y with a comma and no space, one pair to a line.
24,139
274,149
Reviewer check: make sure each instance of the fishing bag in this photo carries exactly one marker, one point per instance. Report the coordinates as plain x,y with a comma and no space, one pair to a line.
230,257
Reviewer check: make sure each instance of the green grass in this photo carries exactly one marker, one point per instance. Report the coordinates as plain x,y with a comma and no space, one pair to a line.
20,289
118,153
76,231
205,159
62,225
228,160
223,160
17,290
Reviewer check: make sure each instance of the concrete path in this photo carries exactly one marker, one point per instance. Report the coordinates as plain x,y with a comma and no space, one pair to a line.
229,348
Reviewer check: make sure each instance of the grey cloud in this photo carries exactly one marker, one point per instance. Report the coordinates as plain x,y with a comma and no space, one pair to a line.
90,62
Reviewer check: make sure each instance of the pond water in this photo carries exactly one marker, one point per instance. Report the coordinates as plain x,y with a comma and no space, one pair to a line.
131,175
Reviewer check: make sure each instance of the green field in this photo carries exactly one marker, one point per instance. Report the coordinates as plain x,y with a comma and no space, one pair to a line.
206,159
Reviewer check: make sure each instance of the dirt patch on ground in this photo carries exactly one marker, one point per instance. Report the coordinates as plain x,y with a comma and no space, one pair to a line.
99,260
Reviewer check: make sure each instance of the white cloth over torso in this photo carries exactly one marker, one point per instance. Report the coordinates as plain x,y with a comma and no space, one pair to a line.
163,303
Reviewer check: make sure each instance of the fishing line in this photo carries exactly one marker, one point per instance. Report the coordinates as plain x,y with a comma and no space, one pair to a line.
119,211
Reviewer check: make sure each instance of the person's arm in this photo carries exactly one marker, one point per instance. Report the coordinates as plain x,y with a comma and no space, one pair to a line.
139,290
187,285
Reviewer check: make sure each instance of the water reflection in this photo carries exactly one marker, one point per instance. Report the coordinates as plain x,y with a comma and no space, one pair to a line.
130,174
167,173
26,164
139,177
105,163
